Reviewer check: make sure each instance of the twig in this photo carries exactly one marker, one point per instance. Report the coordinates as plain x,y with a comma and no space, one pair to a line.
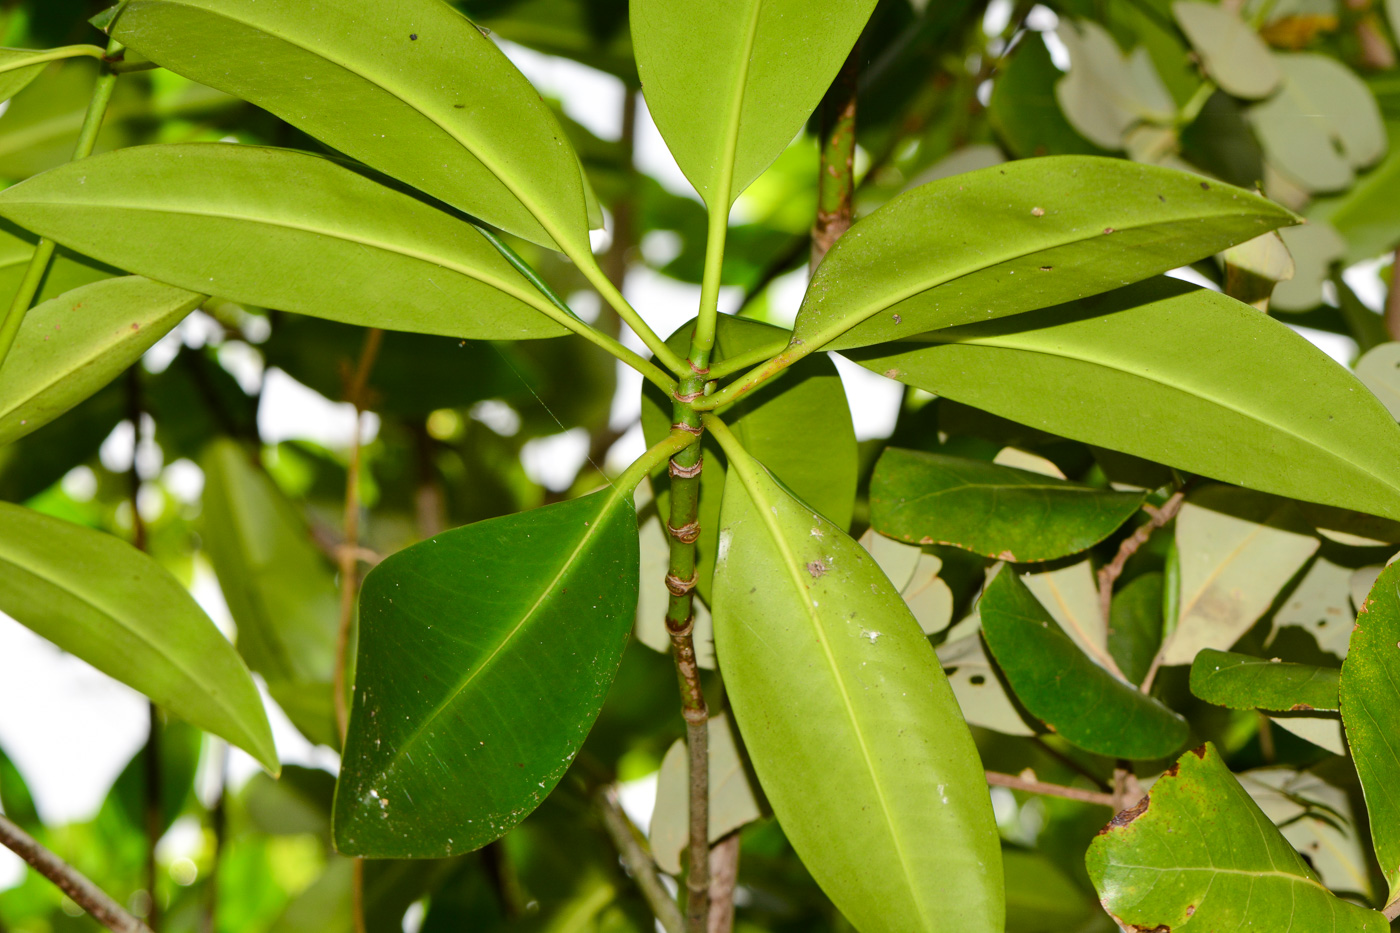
836,178
72,882
1110,572
724,877
638,861
349,576
1392,910
1032,786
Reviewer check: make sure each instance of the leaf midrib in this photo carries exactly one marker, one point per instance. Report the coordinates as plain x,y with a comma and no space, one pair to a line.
488,163
791,564
849,322
411,740
1184,388
527,296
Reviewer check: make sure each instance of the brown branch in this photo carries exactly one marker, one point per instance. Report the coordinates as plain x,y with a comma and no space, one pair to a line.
724,876
1392,910
70,881
836,179
1032,786
638,861
1110,572
355,393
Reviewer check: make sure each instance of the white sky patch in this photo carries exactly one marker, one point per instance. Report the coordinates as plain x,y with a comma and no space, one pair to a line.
554,461
874,400
638,799
291,411
1365,282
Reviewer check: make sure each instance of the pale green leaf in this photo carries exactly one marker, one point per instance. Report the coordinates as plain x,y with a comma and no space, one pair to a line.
1314,246
1176,374
1322,125
839,681
280,590
1363,214
1107,92
1322,730
977,685
71,346
1070,593
1231,52
409,87
735,800
1379,370
731,82
1321,605
914,573
1237,549
285,230
1013,238
98,598
1199,854
1315,817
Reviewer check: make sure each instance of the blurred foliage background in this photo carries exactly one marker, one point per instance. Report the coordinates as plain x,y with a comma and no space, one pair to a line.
183,447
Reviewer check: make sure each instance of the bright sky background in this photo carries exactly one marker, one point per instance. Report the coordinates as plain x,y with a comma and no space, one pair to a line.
70,729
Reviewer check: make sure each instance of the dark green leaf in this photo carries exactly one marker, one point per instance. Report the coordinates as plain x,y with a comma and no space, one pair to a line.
73,345
997,511
948,252
1181,375
1135,625
285,230
1023,107
99,598
1241,681
838,681
1058,683
409,87
1370,694
485,654
1198,854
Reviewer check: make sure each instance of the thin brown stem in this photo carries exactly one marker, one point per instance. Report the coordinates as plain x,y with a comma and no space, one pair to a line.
836,178
70,881
724,877
1110,572
1033,786
1392,910
218,819
638,861
349,575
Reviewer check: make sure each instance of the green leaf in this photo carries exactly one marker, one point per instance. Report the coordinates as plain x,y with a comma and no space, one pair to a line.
1241,681
1198,854
67,270
799,426
1360,213
1158,370
18,68
409,87
71,346
1236,550
993,510
735,800
1321,605
285,230
1059,685
1135,625
1322,125
1379,370
102,600
730,84
279,589
839,681
948,252
1315,246
1371,714
1023,108
1231,52
1041,898
1315,817
485,654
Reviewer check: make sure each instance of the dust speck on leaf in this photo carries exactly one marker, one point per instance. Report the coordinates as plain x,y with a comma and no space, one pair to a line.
1037,212
817,568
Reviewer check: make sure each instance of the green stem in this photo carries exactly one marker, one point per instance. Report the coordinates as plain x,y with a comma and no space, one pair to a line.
836,179
1193,107
43,251
657,454
702,342
753,379
572,320
595,275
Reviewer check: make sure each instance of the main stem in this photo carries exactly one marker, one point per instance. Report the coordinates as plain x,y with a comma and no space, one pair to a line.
43,252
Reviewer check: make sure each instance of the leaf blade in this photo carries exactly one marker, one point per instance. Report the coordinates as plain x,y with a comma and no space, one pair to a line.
1242,681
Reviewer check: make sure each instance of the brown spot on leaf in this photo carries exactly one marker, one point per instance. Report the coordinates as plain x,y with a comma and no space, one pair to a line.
1199,752
1299,707
1190,909
1205,186
892,374
1124,817
817,568
1007,556
1107,229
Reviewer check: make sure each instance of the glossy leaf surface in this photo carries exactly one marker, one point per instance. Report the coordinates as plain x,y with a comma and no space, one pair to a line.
280,590
993,510
71,346
1371,714
102,600
1316,819
1242,681
1016,237
829,674
1198,854
485,654
409,87
283,230
730,83
1059,685
1157,370
799,426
